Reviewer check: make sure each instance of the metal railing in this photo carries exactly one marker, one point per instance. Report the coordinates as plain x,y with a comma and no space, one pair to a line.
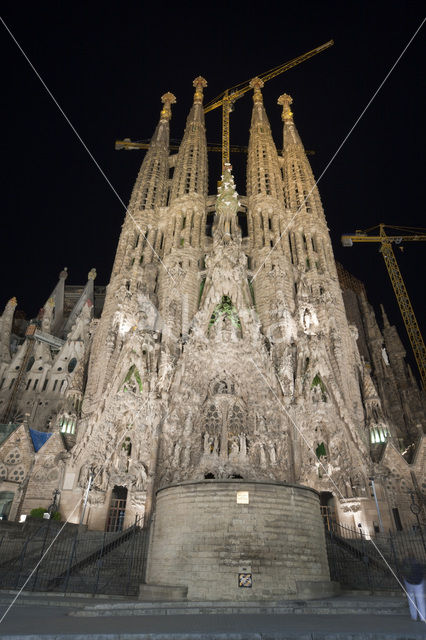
78,561
359,562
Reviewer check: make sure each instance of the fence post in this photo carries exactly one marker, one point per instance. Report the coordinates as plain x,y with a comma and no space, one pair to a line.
145,546
392,546
331,554
41,553
23,552
99,564
131,555
73,548
365,558
421,534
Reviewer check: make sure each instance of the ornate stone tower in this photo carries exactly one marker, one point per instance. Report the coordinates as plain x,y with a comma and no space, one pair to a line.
224,357
227,395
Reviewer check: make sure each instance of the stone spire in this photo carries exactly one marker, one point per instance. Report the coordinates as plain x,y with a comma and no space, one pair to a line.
263,170
226,223
47,315
150,190
184,234
375,420
265,207
395,350
6,329
149,193
87,294
42,349
58,294
386,323
300,190
190,175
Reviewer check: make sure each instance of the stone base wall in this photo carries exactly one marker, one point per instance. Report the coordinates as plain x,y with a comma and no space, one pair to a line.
205,535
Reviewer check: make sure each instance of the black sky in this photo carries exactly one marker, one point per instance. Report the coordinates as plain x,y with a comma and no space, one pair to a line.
108,67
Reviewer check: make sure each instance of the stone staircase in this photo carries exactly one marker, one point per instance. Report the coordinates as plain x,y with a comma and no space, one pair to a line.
361,563
85,561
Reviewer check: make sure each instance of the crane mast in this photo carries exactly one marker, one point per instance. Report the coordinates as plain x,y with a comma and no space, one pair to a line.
409,234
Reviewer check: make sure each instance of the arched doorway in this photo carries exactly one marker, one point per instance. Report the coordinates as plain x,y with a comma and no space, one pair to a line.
327,508
6,499
117,509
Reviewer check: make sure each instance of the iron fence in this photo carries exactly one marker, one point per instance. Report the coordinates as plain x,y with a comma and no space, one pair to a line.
114,563
358,561
77,561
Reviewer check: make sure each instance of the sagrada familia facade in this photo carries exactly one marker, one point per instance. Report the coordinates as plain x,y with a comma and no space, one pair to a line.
228,346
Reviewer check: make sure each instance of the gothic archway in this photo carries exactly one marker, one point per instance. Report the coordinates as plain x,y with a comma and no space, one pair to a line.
224,425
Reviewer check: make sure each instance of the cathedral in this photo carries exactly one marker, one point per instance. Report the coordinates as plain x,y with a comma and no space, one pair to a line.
229,368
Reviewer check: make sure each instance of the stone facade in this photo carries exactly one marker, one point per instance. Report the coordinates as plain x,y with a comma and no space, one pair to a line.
220,353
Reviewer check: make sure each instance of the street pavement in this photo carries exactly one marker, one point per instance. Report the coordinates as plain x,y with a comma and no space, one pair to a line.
53,622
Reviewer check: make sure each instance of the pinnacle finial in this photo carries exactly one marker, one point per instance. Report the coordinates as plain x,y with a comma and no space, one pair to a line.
285,100
227,204
256,84
199,83
12,302
92,274
167,99
386,322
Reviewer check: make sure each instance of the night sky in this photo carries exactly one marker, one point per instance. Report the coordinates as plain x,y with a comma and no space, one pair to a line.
108,66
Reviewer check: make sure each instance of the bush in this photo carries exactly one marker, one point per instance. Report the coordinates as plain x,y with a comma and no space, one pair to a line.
37,513
40,511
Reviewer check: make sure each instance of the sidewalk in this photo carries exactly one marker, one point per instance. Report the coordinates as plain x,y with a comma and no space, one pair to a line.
130,620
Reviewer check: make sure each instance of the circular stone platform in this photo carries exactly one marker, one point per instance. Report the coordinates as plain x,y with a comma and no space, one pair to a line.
238,540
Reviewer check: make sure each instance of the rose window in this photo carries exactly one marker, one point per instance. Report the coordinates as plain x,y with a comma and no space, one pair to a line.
17,475
13,457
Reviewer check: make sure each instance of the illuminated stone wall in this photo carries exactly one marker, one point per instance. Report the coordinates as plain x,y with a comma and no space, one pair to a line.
208,533
221,354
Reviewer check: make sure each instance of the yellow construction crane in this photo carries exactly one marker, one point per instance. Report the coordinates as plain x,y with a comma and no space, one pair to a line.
399,234
227,99
130,145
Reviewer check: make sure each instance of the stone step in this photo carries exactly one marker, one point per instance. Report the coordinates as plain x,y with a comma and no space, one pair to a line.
337,606
124,606
272,635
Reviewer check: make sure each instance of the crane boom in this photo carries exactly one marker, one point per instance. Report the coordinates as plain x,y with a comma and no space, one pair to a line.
404,302
211,146
238,90
130,145
227,98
